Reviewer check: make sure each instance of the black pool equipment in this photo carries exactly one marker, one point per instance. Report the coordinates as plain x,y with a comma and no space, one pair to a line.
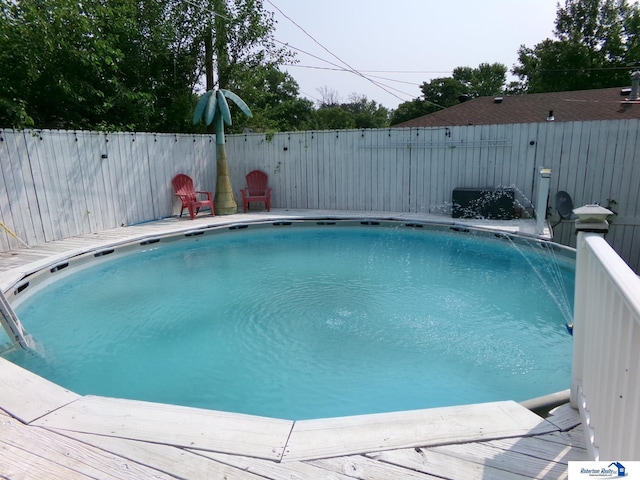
564,207
484,203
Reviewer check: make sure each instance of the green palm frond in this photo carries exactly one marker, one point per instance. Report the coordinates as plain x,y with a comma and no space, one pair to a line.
215,103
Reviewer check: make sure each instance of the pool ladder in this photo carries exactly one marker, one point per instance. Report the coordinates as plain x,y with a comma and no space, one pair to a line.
12,325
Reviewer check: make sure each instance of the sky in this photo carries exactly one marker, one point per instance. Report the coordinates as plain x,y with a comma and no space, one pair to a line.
402,43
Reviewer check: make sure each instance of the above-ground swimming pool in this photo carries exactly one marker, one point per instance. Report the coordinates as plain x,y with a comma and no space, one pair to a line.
305,320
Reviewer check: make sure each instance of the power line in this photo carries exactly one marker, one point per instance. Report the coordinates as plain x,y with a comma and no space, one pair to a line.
315,67
342,69
429,72
349,67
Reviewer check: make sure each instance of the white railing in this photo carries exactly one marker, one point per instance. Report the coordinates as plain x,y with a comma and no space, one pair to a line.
606,360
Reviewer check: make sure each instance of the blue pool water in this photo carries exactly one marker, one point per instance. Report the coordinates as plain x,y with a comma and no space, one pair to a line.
307,322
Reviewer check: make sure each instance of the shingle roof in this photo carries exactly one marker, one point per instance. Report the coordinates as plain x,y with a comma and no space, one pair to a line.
579,105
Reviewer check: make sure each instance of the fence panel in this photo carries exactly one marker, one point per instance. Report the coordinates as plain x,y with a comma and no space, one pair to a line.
15,191
56,184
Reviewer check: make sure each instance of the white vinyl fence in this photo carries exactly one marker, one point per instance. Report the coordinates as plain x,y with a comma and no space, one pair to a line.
57,184
606,359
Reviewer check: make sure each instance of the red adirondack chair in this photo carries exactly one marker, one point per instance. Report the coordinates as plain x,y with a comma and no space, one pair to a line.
183,186
257,190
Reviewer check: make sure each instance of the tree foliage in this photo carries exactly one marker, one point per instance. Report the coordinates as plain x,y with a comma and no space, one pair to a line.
123,64
244,32
139,65
93,64
486,80
465,83
357,112
415,108
273,98
366,113
597,43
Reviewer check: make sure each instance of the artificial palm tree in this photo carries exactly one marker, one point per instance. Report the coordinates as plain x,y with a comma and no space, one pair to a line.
213,107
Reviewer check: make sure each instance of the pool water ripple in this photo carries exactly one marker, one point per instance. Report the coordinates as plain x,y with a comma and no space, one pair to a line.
305,323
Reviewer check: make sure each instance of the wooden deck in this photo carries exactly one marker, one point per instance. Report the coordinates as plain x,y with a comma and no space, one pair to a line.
49,432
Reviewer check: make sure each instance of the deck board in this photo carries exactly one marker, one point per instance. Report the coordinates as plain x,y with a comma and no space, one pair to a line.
440,465
367,433
278,471
540,448
357,466
260,437
171,460
564,417
574,438
509,460
27,396
31,452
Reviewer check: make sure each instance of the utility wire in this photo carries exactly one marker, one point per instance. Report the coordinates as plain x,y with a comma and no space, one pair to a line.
315,67
349,67
338,68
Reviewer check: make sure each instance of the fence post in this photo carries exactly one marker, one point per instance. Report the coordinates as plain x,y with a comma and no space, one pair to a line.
542,198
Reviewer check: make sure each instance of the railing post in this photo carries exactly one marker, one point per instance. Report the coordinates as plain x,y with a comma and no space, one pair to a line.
542,198
592,220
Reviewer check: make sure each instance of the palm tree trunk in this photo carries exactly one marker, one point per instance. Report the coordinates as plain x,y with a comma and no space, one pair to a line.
225,202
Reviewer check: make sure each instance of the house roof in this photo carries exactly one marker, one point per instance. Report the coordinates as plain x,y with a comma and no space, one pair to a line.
579,105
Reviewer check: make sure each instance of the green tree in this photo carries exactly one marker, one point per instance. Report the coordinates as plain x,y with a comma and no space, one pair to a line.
242,40
366,113
412,109
443,92
46,57
597,43
358,112
274,99
466,82
93,64
333,118
486,80
122,64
